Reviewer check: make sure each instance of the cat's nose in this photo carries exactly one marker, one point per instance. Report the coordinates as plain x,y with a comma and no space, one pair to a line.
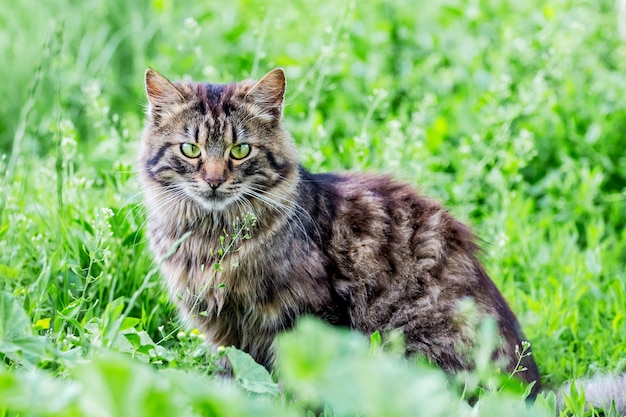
214,174
214,182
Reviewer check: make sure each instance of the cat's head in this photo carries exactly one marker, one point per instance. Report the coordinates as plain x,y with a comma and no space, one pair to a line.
218,147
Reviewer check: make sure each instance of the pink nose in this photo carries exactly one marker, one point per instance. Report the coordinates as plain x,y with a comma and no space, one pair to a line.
214,173
214,181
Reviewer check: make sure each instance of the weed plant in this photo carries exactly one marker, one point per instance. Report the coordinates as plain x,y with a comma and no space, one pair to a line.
511,113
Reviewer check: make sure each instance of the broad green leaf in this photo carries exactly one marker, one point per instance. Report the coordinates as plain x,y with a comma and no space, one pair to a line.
133,339
335,367
250,375
118,387
14,323
38,393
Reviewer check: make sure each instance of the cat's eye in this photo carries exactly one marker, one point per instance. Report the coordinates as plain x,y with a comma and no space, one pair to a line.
190,150
240,151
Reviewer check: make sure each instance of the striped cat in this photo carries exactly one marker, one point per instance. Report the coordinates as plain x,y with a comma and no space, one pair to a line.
360,251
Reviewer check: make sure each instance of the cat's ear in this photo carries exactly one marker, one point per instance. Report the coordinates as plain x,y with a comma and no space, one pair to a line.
268,93
160,91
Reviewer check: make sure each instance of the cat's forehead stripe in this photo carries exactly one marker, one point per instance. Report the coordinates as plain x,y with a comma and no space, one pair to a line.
215,105
214,98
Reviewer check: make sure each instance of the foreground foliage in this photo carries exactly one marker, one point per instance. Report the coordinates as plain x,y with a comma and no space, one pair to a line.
511,113
322,368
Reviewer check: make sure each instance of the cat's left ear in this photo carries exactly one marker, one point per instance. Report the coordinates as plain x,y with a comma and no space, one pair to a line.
269,92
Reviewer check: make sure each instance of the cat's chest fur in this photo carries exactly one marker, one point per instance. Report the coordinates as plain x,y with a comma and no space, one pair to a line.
260,286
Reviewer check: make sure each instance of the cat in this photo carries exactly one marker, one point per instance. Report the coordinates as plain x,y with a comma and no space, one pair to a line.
357,250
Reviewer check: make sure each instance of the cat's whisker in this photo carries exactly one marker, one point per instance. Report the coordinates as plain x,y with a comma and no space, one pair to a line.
174,198
167,196
284,209
298,208
286,213
137,203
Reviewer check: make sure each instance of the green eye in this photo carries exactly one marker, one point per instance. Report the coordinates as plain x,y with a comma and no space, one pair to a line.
190,150
240,151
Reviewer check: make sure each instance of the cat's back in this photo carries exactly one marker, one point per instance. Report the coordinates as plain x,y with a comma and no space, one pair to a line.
372,217
382,237
401,261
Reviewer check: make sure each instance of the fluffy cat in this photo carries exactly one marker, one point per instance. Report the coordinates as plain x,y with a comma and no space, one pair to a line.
360,251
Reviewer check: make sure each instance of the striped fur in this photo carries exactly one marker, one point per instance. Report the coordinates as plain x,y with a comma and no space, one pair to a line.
359,251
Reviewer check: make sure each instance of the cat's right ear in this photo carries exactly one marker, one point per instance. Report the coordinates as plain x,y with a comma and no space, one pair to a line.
161,92
268,93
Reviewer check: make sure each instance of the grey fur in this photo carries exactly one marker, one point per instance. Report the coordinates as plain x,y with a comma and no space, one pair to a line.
607,392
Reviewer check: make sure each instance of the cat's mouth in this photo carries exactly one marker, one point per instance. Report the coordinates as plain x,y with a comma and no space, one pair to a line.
212,194
215,200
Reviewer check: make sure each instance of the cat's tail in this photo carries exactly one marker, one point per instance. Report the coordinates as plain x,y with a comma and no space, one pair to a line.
606,392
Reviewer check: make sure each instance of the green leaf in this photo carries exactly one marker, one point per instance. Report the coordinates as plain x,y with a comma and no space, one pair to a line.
42,324
133,339
14,322
334,367
250,375
129,322
29,350
8,273
35,392
72,309
547,402
376,341
17,341
575,400
593,261
117,386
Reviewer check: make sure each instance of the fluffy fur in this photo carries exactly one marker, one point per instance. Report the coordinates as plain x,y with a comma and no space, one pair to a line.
606,392
360,251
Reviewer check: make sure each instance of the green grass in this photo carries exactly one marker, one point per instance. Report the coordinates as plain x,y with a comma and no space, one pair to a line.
511,113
